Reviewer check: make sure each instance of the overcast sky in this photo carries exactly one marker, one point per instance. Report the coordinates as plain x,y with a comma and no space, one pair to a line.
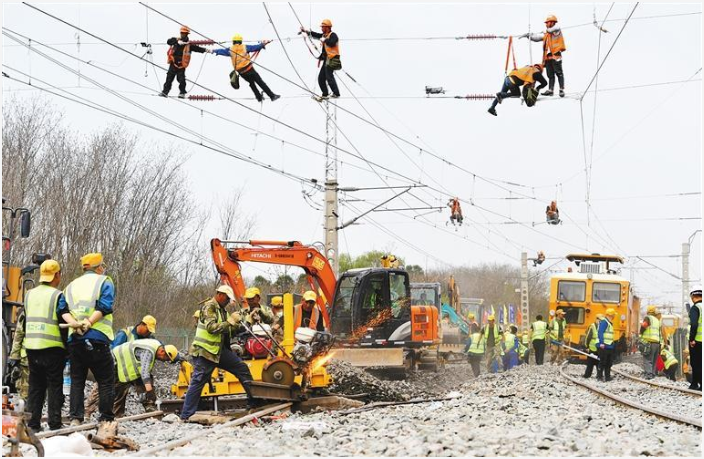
646,140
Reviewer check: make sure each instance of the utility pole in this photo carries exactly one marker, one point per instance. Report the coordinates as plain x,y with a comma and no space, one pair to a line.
331,185
525,304
685,278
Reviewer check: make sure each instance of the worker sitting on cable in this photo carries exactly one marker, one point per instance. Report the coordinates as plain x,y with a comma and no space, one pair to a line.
307,314
178,57
553,46
456,211
540,259
329,57
254,310
244,66
527,75
552,213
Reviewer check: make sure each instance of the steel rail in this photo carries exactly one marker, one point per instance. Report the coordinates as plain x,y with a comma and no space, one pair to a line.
684,390
630,403
93,425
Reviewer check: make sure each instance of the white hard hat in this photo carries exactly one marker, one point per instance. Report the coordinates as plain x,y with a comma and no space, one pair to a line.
696,290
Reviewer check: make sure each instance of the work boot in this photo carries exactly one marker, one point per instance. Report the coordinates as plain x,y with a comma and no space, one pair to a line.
335,96
182,95
492,110
76,422
562,93
273,97
321,98
163,94
549,92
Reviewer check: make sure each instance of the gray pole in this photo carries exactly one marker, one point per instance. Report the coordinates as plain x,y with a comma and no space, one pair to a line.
331,185
525,303
685,278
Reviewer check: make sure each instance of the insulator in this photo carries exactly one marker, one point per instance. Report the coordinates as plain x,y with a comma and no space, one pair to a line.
201,97
476,97
201,42
479,37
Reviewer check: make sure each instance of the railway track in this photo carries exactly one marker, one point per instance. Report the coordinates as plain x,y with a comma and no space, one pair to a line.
684,390
603,391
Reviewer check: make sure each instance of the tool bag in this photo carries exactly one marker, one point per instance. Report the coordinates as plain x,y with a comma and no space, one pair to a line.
334,63
235,79
530,95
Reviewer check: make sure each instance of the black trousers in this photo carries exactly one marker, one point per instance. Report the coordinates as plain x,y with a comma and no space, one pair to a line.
327,77
695,359
99,361
606,359
46,368
539,346
554,68
180,75
253,78
672,372
591,363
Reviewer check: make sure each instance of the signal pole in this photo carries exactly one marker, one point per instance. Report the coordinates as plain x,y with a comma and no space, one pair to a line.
525,303
331,187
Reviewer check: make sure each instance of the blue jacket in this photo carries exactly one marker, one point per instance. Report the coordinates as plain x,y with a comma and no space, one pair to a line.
250,49
602,328
105,304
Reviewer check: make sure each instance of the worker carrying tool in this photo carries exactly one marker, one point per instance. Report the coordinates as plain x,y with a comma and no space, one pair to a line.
456,217
211,349
89,313
557,330
590,341
178,57
329,58
553,46
307,313
254,311
552,213
243,66
695,337
524,76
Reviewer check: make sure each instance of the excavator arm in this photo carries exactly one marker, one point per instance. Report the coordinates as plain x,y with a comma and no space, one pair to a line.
292,253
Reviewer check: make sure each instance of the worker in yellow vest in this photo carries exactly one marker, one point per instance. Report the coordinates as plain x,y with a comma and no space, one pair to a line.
524,348
511,346
492,344
475,349
557,330
538,331
695,337
651,341
90,300
605,343
591,341
670,361
553,47
178,57
243,66
527,75
329,59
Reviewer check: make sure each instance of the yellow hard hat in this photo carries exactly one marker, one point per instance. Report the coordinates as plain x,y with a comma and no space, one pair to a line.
551,18
171,351
92,260
227,290
610,312
48,269
471,316
491,317
197,314
251,292
310,296
652,309
237,37
277,301
326,23
150,322
600,316
560,311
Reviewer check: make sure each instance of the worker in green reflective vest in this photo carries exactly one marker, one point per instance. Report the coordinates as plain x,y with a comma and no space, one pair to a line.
670,361
557,330
651,341
475,349
538,334
695,337
591,340
605,343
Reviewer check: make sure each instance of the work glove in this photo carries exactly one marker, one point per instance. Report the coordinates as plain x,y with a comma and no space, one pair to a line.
12,363
150,396
525,35
234,319
180,42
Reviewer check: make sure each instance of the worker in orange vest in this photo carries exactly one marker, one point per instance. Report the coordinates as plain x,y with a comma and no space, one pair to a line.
179,56
307,314
553,46
329,58
527,75
243,66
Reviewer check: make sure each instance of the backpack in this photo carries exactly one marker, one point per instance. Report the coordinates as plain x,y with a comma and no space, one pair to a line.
530,95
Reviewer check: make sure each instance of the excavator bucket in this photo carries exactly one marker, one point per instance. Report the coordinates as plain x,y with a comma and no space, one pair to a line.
374,357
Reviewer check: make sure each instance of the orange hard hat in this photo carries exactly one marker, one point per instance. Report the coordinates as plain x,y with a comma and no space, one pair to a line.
326,23
185,29
551,18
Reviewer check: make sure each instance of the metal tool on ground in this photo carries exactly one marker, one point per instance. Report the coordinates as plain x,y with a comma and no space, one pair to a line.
16,430
574,350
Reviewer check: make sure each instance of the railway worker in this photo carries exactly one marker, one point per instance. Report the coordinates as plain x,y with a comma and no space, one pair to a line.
18,365
538,331
557,333
243,66
552,214
492,344
553,46
90,300
475,349
143,330
179,56
591,340
695,337
651,340
211,349
329,58
524,348
256,312
277,310
307,313
510,347
605,343
472,319
527,75
670,361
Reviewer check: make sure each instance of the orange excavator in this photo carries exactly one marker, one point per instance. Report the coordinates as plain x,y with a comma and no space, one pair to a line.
368,310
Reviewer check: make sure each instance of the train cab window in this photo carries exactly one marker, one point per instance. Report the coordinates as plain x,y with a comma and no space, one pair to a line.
606,292
422,296
573,315
668,322
571,291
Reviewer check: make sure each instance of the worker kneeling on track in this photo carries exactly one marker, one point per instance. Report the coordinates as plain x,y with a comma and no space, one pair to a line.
527,75
211,349
670,361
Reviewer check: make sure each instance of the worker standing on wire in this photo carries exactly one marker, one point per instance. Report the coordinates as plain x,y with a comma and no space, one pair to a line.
527,75
553,46
178,57
244,67
329,58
